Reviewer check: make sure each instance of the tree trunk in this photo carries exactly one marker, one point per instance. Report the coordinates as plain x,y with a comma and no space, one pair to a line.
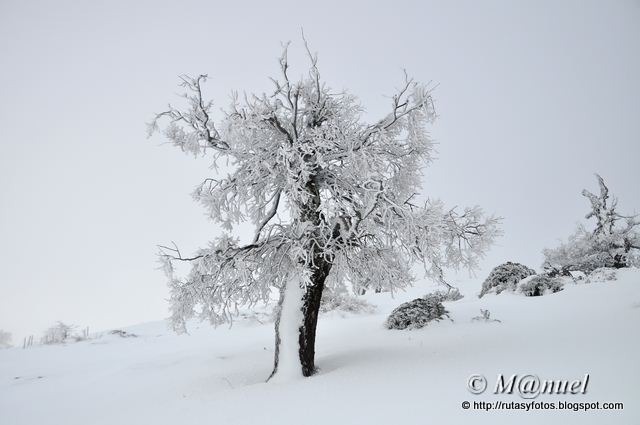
310,311
309,307
305,309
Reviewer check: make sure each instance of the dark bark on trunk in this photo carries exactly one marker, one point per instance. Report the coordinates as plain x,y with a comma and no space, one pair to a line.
310,311
312,296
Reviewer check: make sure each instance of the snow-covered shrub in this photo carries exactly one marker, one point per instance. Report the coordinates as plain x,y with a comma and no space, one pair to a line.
345,302
81,335
416,314
5,339
603,274
505,277
122,334
538,285
485,316
452,294
57,334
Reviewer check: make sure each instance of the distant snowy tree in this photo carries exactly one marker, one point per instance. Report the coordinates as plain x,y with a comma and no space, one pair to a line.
57,334
614,242
331,197
5,339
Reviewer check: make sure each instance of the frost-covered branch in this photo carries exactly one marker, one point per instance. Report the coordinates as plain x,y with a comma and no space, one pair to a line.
191,129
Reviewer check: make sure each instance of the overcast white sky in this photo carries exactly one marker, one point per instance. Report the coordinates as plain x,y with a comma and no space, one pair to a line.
533,97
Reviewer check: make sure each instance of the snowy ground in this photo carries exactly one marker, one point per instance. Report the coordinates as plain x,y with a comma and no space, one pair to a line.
368,375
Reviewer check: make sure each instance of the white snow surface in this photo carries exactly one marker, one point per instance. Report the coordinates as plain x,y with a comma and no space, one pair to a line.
368,375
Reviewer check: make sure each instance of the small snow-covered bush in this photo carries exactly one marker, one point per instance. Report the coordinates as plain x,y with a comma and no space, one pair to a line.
5,339
452,294
535,286
505,277
603,274
122,334
485,316
82,335
344,302
416,314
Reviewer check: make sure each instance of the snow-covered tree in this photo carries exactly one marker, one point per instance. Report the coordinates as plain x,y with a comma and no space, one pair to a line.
614,242
5,339
57,334
331,198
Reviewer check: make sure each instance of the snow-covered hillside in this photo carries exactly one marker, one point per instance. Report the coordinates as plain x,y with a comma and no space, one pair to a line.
369,375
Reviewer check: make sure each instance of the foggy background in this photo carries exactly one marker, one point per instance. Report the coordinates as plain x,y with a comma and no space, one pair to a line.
533,98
